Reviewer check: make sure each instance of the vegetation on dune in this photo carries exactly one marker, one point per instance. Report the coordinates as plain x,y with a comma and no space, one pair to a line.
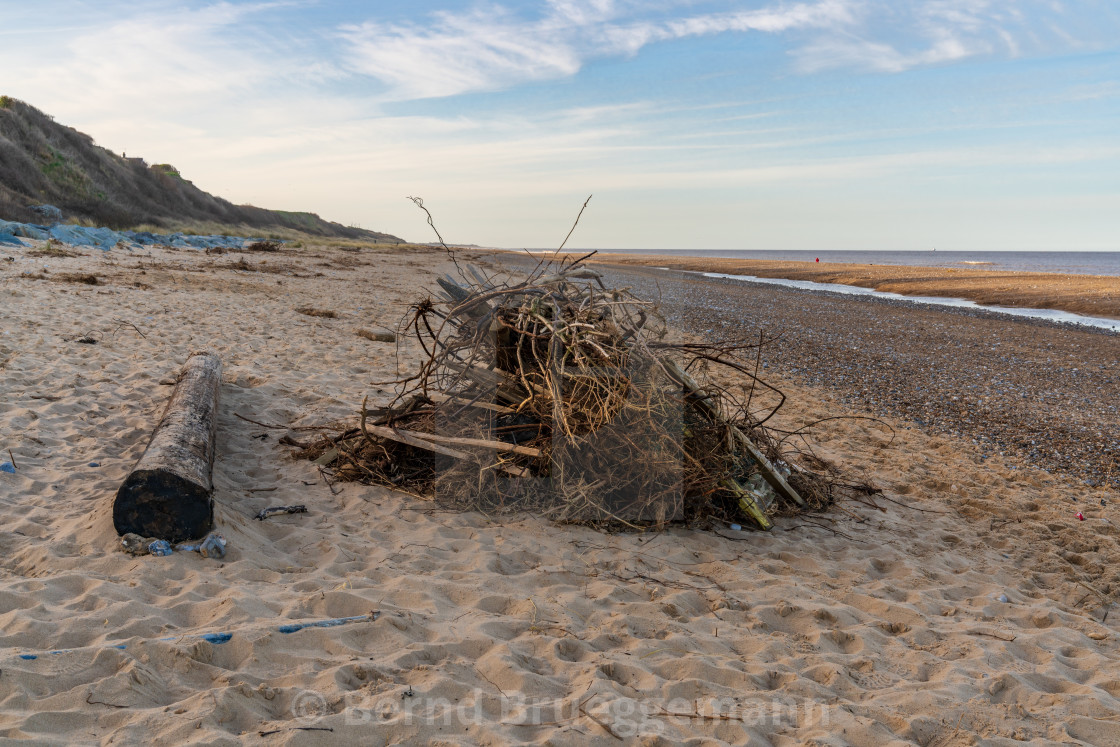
53,249
42,161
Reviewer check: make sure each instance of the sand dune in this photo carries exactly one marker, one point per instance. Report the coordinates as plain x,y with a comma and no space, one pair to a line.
951,614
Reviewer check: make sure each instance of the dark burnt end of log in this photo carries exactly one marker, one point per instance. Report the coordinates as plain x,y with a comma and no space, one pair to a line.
158,503
169,493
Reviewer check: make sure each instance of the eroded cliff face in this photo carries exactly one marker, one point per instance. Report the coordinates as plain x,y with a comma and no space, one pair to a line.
46,163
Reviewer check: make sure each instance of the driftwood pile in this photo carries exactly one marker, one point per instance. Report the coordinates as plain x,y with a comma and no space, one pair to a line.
561,396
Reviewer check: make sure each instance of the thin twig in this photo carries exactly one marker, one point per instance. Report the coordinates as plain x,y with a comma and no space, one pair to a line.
330,487
294,728
1105,600
125,323
419,202
595,718
101,702
483,676
992,635
573,228
262,425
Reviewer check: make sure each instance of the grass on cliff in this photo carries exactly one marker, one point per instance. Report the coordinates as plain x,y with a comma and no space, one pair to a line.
42,161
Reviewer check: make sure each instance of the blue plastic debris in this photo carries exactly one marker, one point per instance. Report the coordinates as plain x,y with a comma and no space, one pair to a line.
8,467
293,627
736,527
220,638
213,546
95,464
160,548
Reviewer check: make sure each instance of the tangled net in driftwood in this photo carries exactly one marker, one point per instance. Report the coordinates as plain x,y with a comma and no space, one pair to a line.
561,396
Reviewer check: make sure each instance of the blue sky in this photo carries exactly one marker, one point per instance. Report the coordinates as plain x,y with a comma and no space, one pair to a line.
821,124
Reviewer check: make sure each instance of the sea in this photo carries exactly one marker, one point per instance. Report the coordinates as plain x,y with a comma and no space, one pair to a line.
1072,263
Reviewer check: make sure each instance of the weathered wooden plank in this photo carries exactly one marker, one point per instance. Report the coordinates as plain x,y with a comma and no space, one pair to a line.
465,402
483,283
765,468
412,438
169,493
461,296
398,434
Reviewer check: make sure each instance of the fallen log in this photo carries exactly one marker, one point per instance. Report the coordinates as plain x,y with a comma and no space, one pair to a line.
169,493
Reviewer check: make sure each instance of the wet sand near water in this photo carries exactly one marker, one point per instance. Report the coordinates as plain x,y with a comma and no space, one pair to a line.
1090,295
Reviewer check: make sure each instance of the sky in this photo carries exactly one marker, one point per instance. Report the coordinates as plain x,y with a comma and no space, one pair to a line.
696,124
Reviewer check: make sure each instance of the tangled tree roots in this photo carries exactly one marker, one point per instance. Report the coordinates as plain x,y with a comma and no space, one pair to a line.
560,396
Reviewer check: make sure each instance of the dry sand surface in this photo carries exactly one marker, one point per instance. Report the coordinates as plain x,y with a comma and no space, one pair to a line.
958,611
1091,295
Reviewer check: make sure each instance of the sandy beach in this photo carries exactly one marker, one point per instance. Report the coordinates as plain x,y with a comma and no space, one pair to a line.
967,604
1090,295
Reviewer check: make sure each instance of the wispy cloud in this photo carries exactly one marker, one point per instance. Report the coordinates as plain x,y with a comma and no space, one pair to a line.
163,54
161,59
893,37
480,50
491,47
881,56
